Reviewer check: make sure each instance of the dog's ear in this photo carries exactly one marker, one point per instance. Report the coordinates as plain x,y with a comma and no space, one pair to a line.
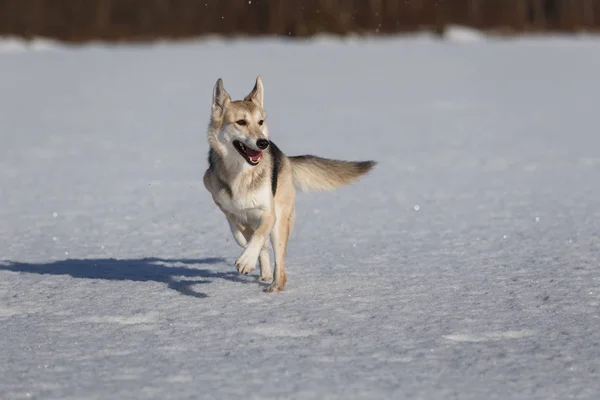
220,97
257,95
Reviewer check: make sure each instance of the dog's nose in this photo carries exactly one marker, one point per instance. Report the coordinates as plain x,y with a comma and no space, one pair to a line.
262,143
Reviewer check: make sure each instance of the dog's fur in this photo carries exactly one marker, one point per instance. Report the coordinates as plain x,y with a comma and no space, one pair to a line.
258,198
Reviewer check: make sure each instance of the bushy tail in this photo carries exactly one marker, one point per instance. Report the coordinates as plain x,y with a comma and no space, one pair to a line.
320,174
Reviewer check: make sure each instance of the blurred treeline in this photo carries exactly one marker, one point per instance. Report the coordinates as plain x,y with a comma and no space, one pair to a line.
81,20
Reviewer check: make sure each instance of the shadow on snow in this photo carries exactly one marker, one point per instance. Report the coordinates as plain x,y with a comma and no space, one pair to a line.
140,270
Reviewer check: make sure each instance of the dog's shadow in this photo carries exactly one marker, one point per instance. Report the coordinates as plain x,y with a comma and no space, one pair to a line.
140,270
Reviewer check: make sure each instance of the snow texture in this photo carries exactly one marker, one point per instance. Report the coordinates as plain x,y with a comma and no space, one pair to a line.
18,45
465,266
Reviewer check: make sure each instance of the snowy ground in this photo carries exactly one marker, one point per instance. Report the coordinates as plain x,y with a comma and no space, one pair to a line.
465,266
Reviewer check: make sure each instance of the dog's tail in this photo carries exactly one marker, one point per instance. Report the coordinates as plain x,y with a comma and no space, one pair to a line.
313,173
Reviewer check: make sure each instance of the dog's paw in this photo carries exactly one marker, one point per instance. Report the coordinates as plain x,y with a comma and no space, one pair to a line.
273,287
246,263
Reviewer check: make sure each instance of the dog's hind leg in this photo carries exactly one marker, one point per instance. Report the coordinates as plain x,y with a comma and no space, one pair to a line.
279,237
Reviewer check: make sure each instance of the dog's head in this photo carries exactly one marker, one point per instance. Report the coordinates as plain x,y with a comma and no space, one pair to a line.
240,125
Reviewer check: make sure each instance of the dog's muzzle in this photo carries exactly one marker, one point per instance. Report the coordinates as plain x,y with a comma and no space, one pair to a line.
262,143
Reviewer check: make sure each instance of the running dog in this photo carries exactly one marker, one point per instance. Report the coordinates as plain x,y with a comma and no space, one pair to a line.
254,183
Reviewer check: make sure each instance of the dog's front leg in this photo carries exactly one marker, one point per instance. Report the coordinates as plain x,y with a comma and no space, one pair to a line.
242,236
247,260
238,234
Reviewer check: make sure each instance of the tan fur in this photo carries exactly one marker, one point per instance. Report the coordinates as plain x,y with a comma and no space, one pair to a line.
243,192
314,173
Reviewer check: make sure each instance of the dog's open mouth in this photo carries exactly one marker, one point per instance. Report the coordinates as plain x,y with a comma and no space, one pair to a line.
251,155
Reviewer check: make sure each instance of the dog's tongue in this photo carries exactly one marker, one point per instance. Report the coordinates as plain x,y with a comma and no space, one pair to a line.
253,154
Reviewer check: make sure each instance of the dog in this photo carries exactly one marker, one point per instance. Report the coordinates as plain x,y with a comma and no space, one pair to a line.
254,183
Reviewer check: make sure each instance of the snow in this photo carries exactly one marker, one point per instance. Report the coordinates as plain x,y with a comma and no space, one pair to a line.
18,45
463,34
465,266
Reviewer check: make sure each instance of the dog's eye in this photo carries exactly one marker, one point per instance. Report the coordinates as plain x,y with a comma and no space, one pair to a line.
241,122
261,122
